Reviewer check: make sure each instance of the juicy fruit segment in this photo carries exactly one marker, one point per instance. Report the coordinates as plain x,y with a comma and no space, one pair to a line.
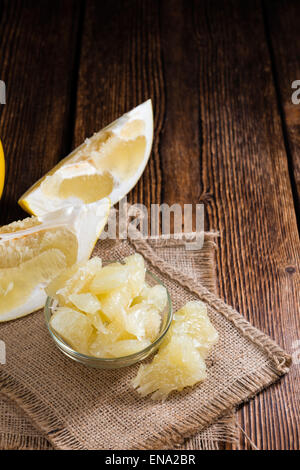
177,365
75,280
156,296
115,302
135,268
17,282
192,320
107,164
88,303
87,188
35,251
180,361
116,275
15,250
110,277
122,321
74,327
143,321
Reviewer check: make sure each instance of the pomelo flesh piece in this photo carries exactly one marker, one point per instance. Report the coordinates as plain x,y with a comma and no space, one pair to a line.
104,295
180,361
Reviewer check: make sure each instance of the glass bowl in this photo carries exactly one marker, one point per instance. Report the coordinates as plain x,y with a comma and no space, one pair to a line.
116,362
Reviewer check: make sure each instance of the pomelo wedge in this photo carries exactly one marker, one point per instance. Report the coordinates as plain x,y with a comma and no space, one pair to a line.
106,165
35,251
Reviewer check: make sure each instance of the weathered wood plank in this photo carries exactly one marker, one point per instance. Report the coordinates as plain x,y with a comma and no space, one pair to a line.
282,23
38,49
218,139
245,175
121,66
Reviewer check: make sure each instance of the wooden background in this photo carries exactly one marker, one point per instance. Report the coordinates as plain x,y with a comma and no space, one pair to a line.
226,134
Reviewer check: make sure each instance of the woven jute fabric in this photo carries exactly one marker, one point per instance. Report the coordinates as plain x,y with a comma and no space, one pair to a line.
18,432
75,407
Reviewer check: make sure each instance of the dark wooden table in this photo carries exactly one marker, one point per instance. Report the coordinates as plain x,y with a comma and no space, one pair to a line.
226,134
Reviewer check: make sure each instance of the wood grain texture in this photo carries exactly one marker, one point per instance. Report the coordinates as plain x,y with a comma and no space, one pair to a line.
244,166
282,25
219,137
38,48
121,67
218,140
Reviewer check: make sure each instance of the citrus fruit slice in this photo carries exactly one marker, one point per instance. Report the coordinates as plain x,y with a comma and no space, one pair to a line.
107,164
2,169
192,320
114,302
74,327
180,361
36,250
177,365
74,280
156,296
143,321
86,302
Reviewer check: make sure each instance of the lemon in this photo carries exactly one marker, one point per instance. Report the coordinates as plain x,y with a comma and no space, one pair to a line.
106,165
36,250
2,169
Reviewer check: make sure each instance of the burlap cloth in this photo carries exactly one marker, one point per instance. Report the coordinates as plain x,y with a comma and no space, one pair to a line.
49,401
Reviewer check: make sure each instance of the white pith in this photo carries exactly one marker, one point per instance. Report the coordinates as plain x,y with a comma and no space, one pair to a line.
85,221
38,203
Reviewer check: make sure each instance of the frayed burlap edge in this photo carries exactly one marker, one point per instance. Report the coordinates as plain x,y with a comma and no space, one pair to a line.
281,359
239,392
13,442
224,430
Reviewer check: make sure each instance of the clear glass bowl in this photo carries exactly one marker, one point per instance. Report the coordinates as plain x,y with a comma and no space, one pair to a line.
118,362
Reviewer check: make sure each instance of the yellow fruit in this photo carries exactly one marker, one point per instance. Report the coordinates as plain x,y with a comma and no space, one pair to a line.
192,320
2,169
98,323
105,296
115,301
180,361
107,165
136,273
156,296
36,250
143,321
117,275
87,302
108,278
106,339
177,365
74,280
74,327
